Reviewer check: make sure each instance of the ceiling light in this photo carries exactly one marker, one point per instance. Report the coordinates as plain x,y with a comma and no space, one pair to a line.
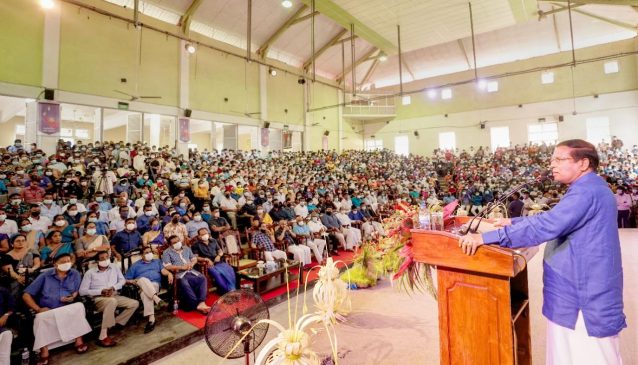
383,57
286,4
47,4
272,71
190,48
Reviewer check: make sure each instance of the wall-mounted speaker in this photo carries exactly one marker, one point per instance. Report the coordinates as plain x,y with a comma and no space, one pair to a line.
326,133
187,113
266,124
482,125
561,118
416,133
49,94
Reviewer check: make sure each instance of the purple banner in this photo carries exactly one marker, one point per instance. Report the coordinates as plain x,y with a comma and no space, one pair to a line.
324,143
184,130
48,118
265,137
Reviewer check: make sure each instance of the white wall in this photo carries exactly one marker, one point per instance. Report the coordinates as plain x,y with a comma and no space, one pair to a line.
621,109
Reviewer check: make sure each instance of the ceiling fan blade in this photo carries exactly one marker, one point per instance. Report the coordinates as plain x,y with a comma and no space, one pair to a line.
123,93
149,97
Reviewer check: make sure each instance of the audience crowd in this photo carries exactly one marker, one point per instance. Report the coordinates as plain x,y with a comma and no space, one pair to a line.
115,223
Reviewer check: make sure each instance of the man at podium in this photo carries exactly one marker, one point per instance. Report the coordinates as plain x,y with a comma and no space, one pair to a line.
582,268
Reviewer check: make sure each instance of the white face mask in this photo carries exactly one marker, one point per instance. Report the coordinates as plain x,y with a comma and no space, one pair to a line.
3,217
26,228
205,237
197,218
60,223
92,219
148,213
91,231
73,201
99,199
130,226
148,256
177,246
65,266
47,201
104,263
73,213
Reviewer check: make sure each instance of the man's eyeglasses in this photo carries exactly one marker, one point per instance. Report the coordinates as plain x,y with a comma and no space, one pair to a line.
559,159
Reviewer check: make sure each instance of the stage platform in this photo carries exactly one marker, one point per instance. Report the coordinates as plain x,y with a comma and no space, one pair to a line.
388,327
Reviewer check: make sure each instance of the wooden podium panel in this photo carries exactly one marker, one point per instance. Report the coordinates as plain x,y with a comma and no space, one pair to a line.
483,301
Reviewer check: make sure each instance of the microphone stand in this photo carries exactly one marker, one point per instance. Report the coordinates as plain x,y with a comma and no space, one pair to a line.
491,206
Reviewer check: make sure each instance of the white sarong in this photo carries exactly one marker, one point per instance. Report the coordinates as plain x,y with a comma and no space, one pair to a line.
60,326
576,347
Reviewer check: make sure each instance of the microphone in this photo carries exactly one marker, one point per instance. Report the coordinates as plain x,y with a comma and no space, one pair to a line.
544,175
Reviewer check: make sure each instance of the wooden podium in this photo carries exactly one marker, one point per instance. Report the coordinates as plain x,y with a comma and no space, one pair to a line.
483,299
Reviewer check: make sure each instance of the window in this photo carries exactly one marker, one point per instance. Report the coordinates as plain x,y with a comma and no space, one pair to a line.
406,100
374,144
447,141
500,137
547,77
192,146
82,133
20,129
492,86
611,67
542,132
66,132
402,145
598,130
446,94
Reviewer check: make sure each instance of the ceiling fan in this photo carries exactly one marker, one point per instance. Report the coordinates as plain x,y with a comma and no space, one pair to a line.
248,115
136,97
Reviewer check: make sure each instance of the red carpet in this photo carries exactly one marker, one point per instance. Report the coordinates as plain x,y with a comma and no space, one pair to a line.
198,320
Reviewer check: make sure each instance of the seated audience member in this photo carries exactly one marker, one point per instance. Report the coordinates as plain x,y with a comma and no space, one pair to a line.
7,226
317,245
154,237
127,240
54,247
68,232
52,296
209,252
330,221
7,307
147,275
285,234
20,263
35,238
48,208
352,235
193,226
101,226
176,228
192,285
91,243
38,221
143,221
265,239
103,283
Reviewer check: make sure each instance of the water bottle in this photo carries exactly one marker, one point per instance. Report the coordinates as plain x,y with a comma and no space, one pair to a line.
175,307
25,356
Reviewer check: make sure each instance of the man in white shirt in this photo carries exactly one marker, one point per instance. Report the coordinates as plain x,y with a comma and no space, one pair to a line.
7,226
301,209
114,214
73,199
139,163
48,208
230,207
352,235
38,221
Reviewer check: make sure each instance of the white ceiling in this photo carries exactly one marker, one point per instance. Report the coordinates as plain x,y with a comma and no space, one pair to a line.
431,32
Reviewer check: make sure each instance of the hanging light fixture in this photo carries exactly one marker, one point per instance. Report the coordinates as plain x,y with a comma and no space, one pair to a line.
47,4
383,57
286,4
190,48
272,71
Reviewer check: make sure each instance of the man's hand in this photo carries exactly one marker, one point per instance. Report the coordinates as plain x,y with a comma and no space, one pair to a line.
42,309
134,282
3,321
470,243
502,222
217,258
170,279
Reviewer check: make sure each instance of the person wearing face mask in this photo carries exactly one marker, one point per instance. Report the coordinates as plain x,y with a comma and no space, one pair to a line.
176,228
73,200
35,238
179,260
68,231
74,217
352,234
91,243
317,245
301,209
16,208
33,193
229,206
8,226
332,224
146,274
103,284
143,220
300,252
54,247
52,296
154,237
264,239
126,240
218,224
623,204
206,212
193,226
210,255
19,263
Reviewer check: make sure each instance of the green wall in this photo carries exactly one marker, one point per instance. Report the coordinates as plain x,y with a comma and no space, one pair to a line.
21,41
326,120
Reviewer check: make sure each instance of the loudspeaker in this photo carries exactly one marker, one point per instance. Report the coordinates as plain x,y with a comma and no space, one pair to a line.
266,124
482,125
326,133
561,118
187,113
416,133
49,94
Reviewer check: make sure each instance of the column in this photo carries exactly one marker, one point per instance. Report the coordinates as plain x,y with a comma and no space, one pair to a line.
184,98
340,119
155,129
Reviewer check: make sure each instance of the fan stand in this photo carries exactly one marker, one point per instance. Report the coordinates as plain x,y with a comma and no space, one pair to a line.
247,348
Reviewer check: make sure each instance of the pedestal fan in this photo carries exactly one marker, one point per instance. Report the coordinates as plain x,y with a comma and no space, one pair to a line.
230,321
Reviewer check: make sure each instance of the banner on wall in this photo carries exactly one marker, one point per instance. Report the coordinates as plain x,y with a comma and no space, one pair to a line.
48,118
286,139
324,143
184,130
265,137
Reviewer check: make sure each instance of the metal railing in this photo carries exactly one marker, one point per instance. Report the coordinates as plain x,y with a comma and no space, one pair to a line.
369,104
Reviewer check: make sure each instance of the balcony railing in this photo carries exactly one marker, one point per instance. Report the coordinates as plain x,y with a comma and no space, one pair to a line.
369,104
